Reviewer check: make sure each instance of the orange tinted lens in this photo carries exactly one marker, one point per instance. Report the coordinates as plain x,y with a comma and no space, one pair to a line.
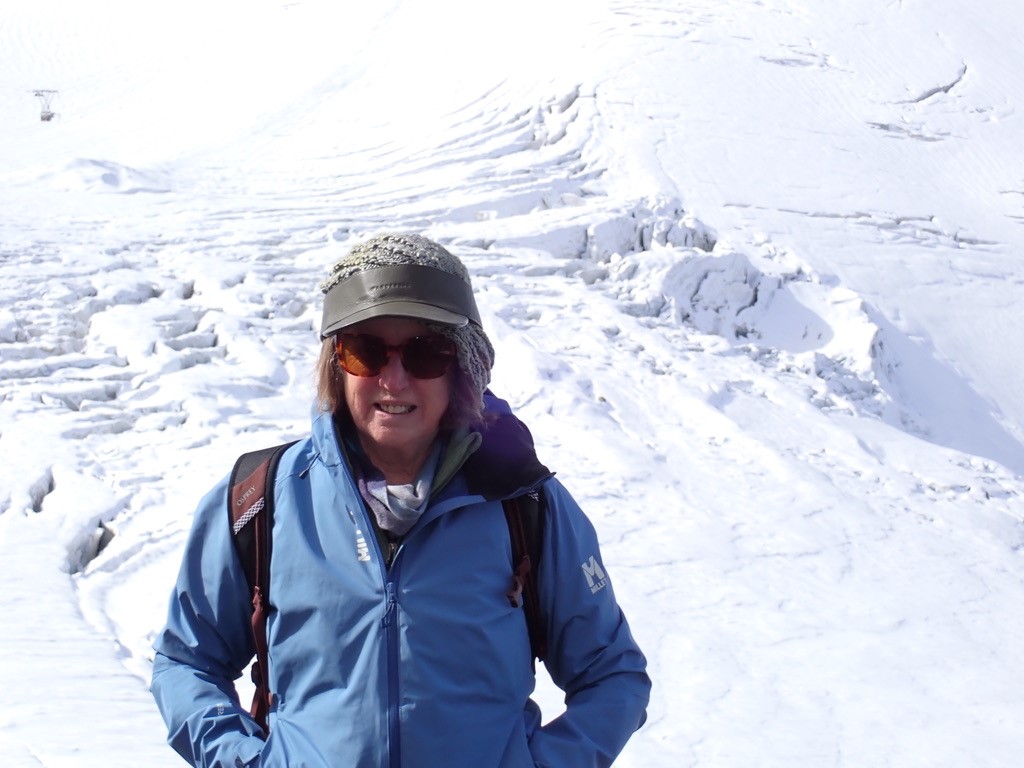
361,354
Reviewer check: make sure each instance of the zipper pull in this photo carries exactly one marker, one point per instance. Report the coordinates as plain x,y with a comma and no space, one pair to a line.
392,602
312,460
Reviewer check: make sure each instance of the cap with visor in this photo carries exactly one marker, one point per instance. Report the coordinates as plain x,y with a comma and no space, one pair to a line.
409,276
404,290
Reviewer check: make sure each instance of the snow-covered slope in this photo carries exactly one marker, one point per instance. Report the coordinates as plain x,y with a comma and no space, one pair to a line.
751,268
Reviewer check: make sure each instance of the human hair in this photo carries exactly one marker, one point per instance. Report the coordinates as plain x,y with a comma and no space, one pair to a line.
465,406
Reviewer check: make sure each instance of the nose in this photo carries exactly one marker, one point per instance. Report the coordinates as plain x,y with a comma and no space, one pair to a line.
393,376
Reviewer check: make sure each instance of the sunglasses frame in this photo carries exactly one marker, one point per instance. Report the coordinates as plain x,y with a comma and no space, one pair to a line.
446,353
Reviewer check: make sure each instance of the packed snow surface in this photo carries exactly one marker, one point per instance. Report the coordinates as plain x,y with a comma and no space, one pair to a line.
752,269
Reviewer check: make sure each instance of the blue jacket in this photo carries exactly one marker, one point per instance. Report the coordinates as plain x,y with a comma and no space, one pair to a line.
424,663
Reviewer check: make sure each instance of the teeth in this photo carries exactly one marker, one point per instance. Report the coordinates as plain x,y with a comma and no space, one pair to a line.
395,409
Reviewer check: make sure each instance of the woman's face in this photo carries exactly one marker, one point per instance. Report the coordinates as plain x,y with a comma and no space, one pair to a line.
396,415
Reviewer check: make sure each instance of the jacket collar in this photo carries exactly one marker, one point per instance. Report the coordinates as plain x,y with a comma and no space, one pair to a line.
502,464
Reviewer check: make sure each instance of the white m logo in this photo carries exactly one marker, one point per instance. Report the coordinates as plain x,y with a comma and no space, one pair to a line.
596,577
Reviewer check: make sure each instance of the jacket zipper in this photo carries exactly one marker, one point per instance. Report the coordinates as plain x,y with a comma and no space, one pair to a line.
389,570
390,624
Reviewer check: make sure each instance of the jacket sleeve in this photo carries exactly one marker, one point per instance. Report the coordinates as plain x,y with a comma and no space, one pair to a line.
204,647
591,653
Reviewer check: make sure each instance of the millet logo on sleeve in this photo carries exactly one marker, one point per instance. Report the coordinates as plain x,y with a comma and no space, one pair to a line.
596,577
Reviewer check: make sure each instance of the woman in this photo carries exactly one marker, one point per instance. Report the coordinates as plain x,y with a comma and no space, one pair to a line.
391,639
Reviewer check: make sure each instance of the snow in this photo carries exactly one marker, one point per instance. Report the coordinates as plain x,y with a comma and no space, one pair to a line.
752,270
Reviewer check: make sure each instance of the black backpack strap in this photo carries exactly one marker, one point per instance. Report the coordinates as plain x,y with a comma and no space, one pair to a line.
251,514
525,518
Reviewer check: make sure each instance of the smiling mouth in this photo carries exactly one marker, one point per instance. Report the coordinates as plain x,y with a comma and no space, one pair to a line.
395,410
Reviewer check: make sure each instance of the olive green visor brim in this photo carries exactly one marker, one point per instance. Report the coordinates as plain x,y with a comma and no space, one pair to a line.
414,291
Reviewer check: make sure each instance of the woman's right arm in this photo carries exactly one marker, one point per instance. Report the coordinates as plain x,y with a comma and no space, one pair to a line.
204,647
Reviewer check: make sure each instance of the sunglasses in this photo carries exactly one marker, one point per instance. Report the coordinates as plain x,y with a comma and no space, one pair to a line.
423,357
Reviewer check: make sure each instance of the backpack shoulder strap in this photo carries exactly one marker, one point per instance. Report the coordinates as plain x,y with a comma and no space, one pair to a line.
251,515
525,517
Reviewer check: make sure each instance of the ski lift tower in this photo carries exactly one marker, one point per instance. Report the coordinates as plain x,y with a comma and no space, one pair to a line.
46,98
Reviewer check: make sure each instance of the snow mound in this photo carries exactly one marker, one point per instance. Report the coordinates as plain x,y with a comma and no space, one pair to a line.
88,175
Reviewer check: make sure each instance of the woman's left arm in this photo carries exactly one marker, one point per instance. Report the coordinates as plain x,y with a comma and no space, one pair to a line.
591,653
